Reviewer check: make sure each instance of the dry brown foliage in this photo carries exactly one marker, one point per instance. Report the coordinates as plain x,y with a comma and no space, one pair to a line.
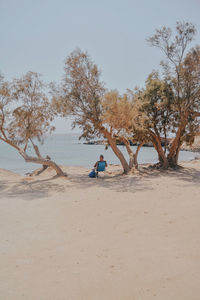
25,115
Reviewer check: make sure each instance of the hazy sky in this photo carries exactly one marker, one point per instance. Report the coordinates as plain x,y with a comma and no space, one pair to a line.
37,35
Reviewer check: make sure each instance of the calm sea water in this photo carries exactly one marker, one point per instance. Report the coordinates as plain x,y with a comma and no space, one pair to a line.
68,150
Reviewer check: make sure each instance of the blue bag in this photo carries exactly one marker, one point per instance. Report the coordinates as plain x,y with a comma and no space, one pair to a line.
92,174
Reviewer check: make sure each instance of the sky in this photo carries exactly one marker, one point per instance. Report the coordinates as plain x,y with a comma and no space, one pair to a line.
38,35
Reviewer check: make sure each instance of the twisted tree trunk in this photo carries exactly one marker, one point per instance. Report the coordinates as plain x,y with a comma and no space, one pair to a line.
136,154
129,150
174,150
132,156
156,141
43,161
37,160
116,150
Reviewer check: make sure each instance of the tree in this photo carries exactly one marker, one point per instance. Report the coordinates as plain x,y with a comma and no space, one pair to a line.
187,107
121,113
81,96
25,115
179,67
156,101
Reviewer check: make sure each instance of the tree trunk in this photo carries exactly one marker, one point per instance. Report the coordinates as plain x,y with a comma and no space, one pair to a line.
115,149
136,154
43,161
36,150
161,155
175,147
177,153
132,157
131,160
129,150
37,160
173,159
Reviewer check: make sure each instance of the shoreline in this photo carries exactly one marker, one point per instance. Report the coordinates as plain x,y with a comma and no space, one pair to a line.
91,167
67,152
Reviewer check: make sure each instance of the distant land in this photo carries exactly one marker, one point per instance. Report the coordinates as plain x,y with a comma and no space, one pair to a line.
195,147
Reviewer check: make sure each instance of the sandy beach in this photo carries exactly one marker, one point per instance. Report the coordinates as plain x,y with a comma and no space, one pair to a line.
121,237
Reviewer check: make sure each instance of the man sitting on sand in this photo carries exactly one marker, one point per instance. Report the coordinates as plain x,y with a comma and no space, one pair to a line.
101,159
98,167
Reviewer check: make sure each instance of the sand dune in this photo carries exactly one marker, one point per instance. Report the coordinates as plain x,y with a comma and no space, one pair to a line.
132,237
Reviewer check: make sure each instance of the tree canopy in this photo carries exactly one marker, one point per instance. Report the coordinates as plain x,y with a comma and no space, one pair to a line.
25,115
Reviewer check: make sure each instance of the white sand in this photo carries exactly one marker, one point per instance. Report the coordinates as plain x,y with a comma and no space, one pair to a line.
132,237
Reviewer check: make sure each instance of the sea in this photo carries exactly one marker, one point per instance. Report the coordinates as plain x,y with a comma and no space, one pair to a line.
68,150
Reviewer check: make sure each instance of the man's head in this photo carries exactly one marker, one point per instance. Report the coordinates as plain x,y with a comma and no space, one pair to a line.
101,157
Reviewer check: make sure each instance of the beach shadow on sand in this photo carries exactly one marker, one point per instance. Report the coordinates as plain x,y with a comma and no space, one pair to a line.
27,190
117,183
189,175
3,185
142,181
